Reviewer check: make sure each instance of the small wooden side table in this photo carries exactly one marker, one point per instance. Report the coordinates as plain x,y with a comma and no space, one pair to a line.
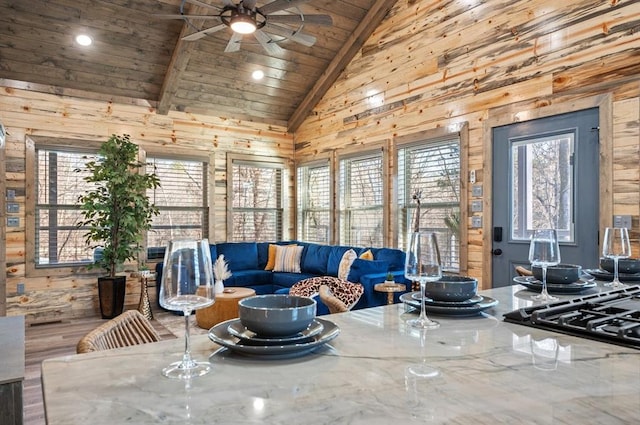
225,307
390,289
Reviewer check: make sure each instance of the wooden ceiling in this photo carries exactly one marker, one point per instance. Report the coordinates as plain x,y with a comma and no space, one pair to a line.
138,58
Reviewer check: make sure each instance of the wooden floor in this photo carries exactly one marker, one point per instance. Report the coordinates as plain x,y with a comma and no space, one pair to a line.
55,340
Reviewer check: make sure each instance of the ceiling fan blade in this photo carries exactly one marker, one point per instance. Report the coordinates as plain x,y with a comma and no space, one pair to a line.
201,4
249,4
234,43
265,41
276,5
179,16
297,19
198,35
304,39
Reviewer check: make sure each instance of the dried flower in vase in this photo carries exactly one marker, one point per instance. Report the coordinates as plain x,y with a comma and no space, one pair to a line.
221,269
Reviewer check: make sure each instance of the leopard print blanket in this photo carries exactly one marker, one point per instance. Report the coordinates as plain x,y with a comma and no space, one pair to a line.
347,292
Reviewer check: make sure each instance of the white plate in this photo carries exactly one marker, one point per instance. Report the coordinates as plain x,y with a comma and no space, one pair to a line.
220,335
237,329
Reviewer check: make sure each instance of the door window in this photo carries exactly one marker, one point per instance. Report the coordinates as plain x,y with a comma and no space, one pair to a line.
542,189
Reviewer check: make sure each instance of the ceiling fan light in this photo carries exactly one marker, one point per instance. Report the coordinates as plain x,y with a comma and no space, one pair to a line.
243,24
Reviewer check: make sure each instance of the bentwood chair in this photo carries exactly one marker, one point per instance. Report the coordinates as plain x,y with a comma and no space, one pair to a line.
334,303
129,328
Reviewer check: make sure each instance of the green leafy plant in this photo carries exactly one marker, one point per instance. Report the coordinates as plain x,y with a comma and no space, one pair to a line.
389,277
117,211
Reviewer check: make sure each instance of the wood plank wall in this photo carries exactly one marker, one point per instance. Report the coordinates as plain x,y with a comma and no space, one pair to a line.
440,63
26,113
435,64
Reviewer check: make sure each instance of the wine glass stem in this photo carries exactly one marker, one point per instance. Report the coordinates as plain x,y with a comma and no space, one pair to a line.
544,282
423,312
187,361
616,281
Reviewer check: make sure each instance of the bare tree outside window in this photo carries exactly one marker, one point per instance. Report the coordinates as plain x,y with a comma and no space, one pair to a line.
314,203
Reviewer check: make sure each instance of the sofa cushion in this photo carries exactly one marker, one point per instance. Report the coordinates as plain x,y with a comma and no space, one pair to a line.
335,256
287,280
239,255
362,267
288,258
395,257
366,255
316,259
249,278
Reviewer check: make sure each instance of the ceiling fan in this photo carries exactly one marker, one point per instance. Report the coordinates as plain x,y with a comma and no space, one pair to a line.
244,18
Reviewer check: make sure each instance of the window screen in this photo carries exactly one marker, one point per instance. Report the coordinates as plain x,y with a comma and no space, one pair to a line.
434,169
181,199
361,194
256,201
314,203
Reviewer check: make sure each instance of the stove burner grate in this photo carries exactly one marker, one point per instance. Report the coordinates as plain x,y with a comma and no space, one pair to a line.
609,316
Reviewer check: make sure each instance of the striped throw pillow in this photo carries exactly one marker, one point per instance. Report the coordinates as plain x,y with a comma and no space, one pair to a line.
288,259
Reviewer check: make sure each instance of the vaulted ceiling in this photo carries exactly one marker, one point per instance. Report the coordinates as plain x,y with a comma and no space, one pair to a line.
138,58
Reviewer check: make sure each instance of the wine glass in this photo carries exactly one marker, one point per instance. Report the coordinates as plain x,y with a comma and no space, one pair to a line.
422,265
544,251
187,284
616,245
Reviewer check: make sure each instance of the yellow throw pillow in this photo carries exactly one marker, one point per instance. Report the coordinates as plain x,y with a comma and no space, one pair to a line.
271,261
367,255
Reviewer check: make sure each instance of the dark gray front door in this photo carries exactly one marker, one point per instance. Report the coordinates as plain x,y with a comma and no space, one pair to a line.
545,175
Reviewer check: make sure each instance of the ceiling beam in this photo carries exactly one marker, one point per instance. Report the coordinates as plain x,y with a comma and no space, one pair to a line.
177,65
352,45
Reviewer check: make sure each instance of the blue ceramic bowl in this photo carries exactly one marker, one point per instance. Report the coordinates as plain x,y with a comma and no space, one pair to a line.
452,288
276,315
562,273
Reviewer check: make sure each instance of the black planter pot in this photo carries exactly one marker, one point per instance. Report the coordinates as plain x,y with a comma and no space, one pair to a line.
111,292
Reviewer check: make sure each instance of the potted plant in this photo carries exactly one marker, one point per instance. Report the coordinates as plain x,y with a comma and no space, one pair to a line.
117,212
389,280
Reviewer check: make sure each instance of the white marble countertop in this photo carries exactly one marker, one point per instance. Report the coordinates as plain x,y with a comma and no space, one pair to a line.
489,372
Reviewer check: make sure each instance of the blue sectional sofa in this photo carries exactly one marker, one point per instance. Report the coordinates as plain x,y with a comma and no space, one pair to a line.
247,261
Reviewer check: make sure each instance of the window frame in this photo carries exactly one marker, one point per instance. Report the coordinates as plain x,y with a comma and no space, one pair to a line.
178,155
381,148
32,143
266,162
460,131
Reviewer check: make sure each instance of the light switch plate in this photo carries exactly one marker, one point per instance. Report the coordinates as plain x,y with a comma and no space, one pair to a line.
476,222
476,190
622,221
13,221
476,206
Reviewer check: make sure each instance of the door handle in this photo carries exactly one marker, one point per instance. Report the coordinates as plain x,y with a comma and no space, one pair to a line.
497,251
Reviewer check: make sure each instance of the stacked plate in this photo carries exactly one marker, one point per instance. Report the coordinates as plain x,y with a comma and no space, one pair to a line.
468,307
237,338
583,283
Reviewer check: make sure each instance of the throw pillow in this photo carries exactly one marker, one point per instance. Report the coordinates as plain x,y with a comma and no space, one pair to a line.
271,261
288,258
367,255
345,264
362,267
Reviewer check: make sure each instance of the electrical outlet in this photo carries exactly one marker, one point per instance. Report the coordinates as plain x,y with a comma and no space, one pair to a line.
20,288
13,221
476,206
476,190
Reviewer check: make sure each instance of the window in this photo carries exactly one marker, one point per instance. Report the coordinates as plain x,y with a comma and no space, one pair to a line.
434,169
361,194
58,181
255,198
314,202
181,199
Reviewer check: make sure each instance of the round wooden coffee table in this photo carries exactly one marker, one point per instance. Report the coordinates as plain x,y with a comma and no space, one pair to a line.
225,307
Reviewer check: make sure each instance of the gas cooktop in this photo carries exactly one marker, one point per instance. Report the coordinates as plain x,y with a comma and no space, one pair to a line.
612,316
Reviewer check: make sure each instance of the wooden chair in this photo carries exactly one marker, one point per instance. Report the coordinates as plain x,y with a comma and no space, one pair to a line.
129,328
523,272
335,304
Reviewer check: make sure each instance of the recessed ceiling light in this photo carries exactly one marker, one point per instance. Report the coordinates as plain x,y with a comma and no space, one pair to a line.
257,74
84,40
